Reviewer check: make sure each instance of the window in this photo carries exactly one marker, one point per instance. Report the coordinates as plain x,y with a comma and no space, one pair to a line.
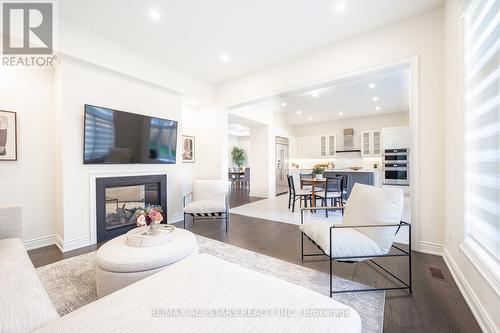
482,130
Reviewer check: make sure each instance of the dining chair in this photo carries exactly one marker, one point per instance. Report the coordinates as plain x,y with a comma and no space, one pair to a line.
308,176
245,178
345,181
332,192
297,194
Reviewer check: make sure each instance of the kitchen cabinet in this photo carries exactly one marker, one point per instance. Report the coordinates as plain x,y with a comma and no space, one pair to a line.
395,137
317,146
328,144
371,143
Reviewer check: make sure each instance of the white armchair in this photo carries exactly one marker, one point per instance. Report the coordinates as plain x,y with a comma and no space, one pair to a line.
209,201
372,217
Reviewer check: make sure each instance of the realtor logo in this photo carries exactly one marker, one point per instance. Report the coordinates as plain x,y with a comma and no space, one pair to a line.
27,28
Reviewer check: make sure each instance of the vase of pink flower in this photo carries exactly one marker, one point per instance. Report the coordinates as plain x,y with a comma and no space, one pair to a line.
150,217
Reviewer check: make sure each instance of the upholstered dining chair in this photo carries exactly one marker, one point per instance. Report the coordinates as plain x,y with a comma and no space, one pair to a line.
297,194
245,179
334,187
372,218
209,201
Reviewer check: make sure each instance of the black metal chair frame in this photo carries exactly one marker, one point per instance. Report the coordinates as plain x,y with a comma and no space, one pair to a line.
401,253
226,216
293,196
324,197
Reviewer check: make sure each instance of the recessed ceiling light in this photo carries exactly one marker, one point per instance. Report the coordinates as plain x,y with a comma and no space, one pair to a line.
309,118
340,7
298,112
315,93
224,58
377,108
283,104
154,15
371,85
341,113
375,99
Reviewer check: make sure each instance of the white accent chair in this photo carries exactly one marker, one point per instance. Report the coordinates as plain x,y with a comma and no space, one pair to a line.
209,201
372,217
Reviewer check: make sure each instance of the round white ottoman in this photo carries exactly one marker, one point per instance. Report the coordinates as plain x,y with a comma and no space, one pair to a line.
119,265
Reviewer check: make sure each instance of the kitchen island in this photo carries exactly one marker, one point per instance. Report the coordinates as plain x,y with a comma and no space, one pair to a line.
362,176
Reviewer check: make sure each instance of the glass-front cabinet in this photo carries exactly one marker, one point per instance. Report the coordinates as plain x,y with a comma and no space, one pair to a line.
371,143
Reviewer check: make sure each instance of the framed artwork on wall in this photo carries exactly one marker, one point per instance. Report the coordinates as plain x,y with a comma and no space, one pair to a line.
188,149
8,136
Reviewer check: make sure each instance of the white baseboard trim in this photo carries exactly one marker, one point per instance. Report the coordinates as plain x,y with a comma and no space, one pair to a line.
39,242
176,218
59,243
484,321
430,248
65,246
76,243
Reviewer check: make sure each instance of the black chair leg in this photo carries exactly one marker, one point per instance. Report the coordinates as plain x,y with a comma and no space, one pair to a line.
305,201
293,204
326,210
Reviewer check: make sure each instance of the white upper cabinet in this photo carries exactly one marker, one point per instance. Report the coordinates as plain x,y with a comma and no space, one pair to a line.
317,146
328,144
304,147
332,145
371,143
395,137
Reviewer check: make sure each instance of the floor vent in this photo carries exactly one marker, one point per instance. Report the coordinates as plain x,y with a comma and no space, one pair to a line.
437,273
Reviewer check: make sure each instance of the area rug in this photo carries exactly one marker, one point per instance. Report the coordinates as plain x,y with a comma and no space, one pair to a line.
70,283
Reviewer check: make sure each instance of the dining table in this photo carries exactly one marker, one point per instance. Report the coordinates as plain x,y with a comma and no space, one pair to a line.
315,183
235,175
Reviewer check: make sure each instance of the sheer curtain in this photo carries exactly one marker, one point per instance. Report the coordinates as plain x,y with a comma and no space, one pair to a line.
482,130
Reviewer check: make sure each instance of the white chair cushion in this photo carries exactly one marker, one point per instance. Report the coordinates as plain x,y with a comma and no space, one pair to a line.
302,192
375,205
329,194
346,242
214,190
205,206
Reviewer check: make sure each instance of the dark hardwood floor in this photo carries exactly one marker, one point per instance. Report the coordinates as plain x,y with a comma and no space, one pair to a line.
436,305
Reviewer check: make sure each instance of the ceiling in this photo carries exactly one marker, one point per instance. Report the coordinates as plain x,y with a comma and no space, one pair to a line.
369,94
221,39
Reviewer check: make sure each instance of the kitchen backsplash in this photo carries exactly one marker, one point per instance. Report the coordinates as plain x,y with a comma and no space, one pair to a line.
341,162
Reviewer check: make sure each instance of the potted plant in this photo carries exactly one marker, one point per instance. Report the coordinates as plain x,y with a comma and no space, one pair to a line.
239,156
318,171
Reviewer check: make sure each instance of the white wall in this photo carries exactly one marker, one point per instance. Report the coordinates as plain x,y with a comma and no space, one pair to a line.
80,84
422,36
240,142
481,295
359,124
29,182
100,51
261,180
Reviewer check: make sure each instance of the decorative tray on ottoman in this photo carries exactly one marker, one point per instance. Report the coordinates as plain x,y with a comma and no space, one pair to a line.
142,237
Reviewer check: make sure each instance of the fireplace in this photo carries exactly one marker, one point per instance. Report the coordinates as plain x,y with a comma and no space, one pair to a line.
118,198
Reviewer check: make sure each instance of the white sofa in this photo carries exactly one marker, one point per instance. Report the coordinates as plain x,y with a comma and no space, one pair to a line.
173,300
24,303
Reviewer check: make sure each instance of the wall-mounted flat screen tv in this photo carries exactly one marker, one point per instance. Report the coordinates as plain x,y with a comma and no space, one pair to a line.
117,137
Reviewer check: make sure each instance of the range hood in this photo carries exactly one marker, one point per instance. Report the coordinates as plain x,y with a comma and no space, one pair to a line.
348,142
